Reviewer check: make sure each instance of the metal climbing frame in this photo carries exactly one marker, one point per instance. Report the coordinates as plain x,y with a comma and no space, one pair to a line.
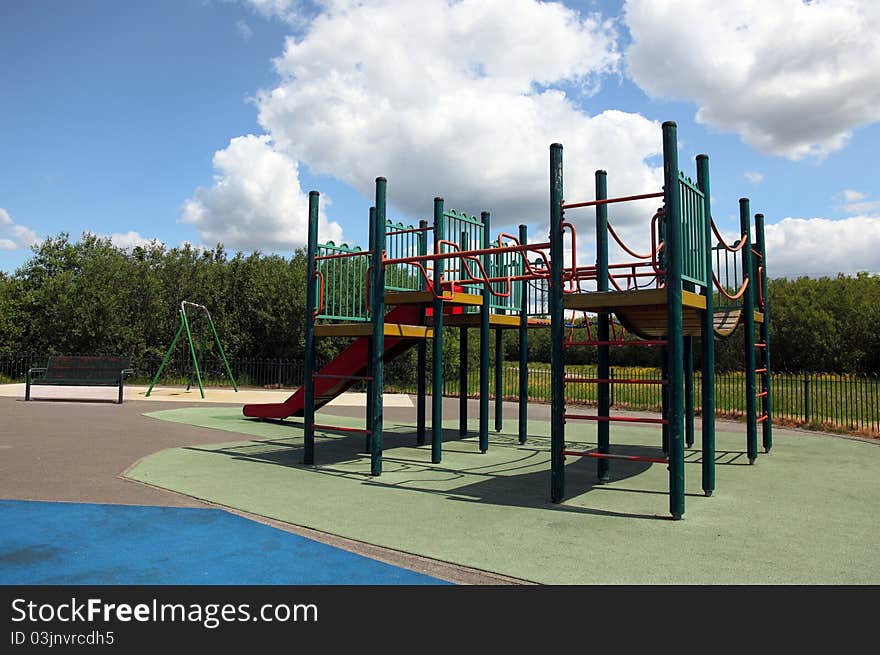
667,296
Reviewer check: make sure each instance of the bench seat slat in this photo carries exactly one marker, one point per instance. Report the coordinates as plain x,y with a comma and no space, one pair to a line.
85,371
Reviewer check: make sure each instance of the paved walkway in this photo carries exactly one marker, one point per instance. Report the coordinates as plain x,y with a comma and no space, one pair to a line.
76,451
181,394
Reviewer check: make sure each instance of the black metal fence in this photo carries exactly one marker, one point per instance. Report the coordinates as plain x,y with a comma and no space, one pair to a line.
267,373
827,401
847,402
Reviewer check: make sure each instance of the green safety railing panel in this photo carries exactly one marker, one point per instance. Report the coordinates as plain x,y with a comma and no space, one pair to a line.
728,270
693,232
506,264
467,232
345,282
539,296
402,241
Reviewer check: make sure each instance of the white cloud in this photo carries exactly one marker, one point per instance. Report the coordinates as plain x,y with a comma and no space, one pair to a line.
465,106
14,236
256,202
851,195
856,202
245,32
286,10
793,78
754,177
818,246
130,239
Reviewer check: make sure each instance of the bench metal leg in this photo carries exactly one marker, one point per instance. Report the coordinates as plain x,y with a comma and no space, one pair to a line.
120,393
27,388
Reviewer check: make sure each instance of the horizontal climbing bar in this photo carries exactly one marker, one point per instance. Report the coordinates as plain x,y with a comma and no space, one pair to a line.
614,419
762,418
498,250
760,345
318,426
609,201
630,458
760,370
763,394
615,380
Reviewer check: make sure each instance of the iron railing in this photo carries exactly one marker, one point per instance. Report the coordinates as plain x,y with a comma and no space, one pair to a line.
844,402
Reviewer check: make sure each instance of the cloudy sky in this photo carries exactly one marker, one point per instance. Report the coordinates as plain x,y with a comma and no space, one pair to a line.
208,121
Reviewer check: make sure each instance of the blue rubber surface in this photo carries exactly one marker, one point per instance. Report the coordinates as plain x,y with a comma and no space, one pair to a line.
84,543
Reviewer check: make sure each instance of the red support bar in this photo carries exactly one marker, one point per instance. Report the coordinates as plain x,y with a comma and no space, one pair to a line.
760,345
760,370
608,201
339,428
615,380
623,419
761,395
630,458
529,247
762,418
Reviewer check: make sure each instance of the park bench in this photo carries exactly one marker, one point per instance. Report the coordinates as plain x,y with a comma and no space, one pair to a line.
72,370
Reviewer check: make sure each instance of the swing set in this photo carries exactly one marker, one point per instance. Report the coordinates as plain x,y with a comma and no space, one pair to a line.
197,353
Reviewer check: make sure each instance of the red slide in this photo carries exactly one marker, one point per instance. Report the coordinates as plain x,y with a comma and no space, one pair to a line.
351,361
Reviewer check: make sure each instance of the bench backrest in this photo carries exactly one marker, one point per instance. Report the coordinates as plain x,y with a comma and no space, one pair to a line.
72,367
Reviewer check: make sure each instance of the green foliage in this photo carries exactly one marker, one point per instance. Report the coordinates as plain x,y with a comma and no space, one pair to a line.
93,297
826,324
90,296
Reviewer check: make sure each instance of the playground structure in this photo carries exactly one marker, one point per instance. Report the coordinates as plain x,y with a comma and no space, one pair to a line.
465,278
197,352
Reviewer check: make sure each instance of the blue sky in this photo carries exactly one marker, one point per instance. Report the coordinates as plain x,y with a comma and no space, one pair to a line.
188,120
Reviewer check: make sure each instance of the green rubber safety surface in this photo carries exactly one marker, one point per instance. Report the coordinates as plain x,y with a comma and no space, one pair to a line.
807,513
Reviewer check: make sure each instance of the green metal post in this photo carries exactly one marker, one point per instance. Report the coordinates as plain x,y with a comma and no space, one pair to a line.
200,358
192,350
523,346
463,362
484,343
664,398
688,391
377,302
462,381
675,347
764,332
437,368
165,359
371,388
222,352
748,308
557,327
707,339
422,348
311,310
499,382
603,355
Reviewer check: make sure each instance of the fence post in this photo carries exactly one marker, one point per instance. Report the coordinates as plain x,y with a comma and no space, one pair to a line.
806,397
